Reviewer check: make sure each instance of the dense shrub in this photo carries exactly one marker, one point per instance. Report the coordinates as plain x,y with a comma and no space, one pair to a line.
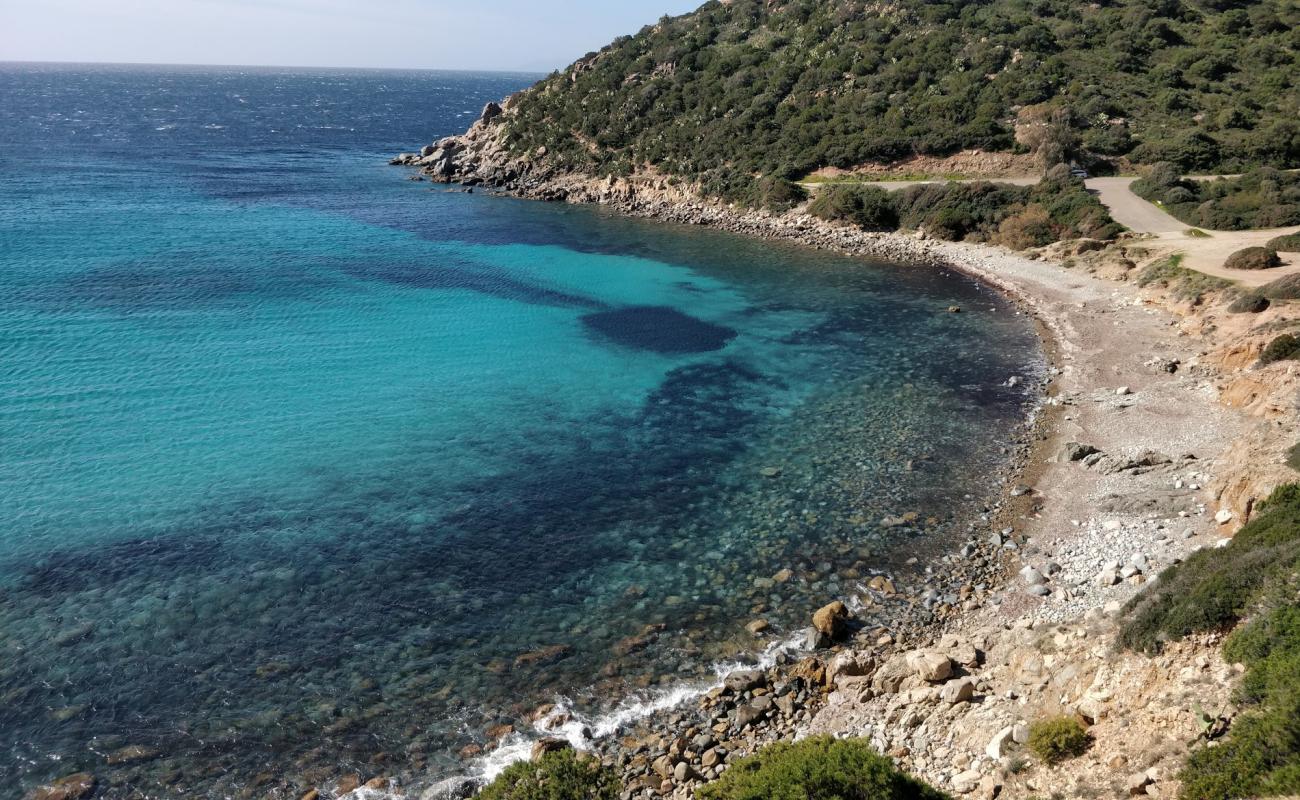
1289,243
1058,738
750,88
820,768
1284,348
1249,303
868,207
1261,198
1261,757
1056,208
779,194
562,775
1285,288
1214,589
1253,258
1187,284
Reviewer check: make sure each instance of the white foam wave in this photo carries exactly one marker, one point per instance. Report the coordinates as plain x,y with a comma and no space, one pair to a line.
583,732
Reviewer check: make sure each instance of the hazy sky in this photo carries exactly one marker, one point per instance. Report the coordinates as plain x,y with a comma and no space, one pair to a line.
447,34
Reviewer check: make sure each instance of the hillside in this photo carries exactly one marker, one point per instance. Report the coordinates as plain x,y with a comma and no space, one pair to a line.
743,95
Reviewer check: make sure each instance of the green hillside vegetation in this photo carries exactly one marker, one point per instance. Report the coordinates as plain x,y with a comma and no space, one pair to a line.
1058,207
1261,198
754,89
1256,577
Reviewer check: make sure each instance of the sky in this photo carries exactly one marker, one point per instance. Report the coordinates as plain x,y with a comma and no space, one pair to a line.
524,35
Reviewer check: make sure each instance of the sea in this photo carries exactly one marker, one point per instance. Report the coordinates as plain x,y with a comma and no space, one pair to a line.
309,469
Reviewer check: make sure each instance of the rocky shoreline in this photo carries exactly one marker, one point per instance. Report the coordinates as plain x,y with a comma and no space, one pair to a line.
1113,488
1157,434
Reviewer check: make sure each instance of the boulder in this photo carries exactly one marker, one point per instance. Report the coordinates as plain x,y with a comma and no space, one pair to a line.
745,681
490,112
427,150
930,666
966,782
1001,743
849,665
71,787
893,674
830,618
961,690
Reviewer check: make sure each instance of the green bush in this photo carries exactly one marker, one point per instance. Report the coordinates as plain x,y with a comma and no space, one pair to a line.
820,768
562,775
1284,348
1261,198
1290,243
868,207
1187,284
1215,588
1284,288
1261,757
1253,258
1249,303
1059,738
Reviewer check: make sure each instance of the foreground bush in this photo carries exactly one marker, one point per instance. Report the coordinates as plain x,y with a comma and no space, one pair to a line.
1056,739
1215,588
1253,258
1287,244
1284,348
1261,757
562,775
820,768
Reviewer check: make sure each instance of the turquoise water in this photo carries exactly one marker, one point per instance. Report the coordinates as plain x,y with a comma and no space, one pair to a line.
299,457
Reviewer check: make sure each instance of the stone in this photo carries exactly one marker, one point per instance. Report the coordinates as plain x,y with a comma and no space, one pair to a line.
1000,743
427,150
711,758
783,576
683,772
1032,576
830,619
490,112
459,788
758,626
546,655
930,666
1020,733
543,746
770,472
848,665
1223,517
882,584
966,782
1137,784
1107,578
70,787
1074,451
745,680
961,690
1039,591
892,674
1123,390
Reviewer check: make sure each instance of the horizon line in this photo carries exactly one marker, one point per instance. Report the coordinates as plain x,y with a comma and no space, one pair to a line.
53,62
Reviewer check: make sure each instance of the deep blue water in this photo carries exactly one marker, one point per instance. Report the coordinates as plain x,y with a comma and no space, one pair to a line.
297,457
